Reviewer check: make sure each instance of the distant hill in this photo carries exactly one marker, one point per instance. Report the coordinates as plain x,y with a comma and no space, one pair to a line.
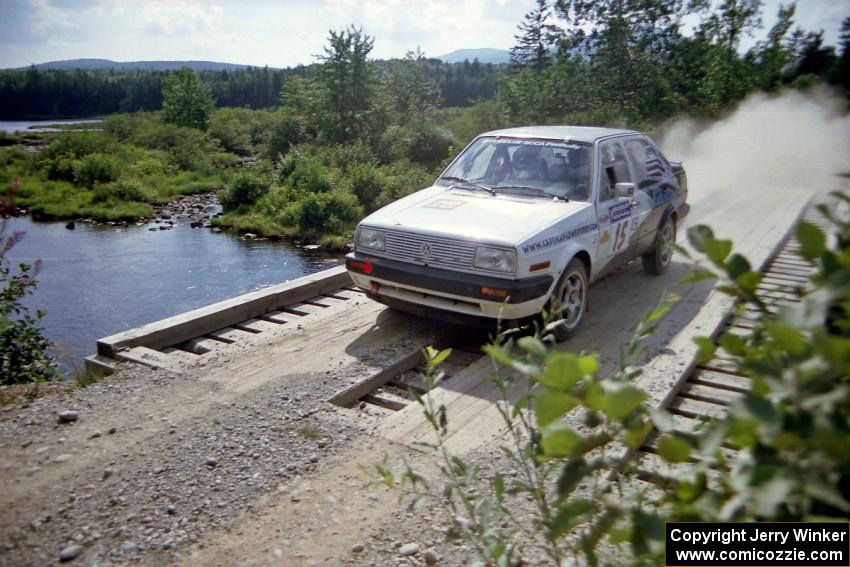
483,54
152,65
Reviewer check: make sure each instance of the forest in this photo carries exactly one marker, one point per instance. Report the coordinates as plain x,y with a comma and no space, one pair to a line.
306,152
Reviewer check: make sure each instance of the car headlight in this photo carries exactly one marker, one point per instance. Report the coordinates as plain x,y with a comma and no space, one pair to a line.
495,259
371,239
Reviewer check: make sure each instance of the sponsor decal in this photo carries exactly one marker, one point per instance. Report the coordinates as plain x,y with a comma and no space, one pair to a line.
444,204
619,211
558,238
606,236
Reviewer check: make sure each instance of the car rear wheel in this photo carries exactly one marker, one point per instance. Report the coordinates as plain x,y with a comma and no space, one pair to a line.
569,300
658,260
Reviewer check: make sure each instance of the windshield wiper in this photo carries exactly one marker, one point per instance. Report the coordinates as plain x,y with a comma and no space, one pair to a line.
468,182
538,191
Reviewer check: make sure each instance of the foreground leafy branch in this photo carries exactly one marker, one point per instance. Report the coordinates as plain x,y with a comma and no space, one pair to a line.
779,454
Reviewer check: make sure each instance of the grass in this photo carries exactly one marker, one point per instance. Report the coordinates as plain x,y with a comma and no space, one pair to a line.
88,376
308,432
252,222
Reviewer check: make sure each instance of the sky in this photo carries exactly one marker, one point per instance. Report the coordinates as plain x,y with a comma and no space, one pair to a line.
281,33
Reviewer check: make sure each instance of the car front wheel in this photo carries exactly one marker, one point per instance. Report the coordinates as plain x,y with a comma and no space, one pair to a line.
569,301
658,260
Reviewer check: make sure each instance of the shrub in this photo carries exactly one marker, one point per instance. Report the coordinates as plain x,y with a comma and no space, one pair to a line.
330,212
429,146
123,190
24,351
286,130
244,191
310,176
367,183
96,168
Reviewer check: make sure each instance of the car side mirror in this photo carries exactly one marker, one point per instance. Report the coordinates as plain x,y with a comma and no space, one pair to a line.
624,190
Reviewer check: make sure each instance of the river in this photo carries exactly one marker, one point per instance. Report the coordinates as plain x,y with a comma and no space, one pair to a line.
96,280
10,126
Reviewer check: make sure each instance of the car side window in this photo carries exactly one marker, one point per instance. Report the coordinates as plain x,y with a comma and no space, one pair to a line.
649,164
614,168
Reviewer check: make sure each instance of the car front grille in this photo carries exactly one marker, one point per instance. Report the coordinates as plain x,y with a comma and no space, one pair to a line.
442,252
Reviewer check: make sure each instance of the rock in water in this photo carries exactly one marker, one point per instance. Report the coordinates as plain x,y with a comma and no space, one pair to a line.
71,225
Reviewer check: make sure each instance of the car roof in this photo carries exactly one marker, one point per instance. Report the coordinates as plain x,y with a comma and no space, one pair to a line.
587,134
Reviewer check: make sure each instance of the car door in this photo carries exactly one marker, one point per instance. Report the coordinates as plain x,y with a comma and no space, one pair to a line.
655,185
618,217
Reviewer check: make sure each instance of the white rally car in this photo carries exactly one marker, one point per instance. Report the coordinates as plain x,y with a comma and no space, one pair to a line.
523,220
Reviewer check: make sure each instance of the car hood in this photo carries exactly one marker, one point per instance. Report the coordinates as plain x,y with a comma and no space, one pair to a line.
505,219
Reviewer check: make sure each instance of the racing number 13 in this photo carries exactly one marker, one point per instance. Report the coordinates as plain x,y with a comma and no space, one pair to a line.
620,236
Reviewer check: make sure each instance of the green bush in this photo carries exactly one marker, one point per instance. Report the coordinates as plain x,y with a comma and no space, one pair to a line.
24,351
366,182
96,168
429,146
123,190
323,213
286,130
244,190
310,175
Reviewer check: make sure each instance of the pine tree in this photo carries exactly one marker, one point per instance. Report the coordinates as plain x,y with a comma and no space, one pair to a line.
536,39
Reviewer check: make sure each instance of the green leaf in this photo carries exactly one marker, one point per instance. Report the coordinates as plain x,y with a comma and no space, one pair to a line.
812,240
440,357
674,449
572,474
749,281
572,514
551,405
736,266
634,435
695,276
789,338
532,345
698,236
706,349
562,371
498,486
520,404
733,344
662,420
621,400
717,250
589,364
559,440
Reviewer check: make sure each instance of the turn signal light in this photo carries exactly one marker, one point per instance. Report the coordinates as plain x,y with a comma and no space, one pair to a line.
365,267
539,266
494,292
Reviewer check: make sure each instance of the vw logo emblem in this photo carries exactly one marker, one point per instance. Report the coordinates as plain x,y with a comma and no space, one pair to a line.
425,249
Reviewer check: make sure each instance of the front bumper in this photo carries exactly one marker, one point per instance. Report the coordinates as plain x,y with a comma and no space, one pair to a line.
449,290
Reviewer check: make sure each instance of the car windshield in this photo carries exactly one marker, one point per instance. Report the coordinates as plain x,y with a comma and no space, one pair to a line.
526,166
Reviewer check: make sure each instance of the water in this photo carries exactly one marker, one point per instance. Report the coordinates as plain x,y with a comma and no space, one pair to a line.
96,281
10,126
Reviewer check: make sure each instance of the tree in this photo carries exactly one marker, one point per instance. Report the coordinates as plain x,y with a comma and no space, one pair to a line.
772,56
725,27
347,85
536,39
841,72
414,93
186,100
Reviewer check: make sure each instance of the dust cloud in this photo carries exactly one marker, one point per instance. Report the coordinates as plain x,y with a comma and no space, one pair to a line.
794,139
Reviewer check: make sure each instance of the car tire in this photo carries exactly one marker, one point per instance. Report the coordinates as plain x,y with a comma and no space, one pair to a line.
657,261
569,300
